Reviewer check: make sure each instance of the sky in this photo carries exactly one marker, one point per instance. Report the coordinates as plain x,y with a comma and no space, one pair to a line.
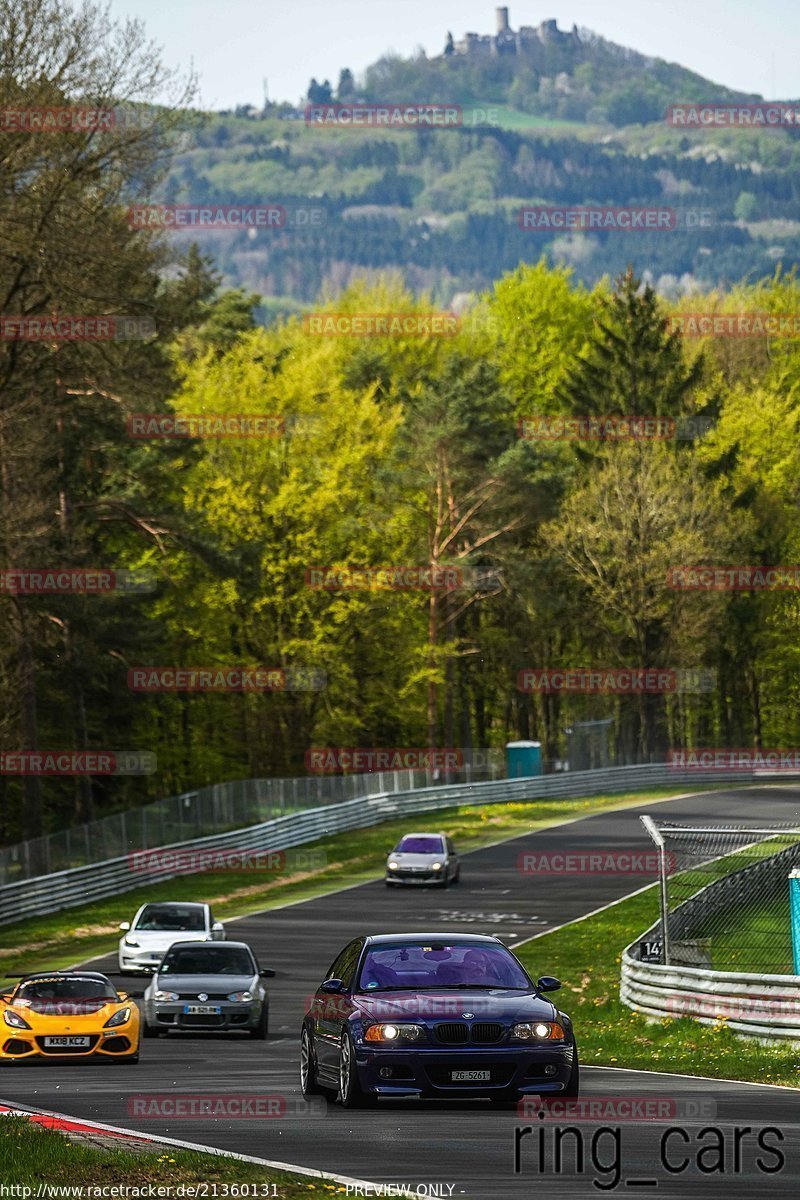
234,45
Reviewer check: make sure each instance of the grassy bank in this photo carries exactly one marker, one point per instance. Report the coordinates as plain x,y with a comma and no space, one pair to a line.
586,956
64,938
30,1155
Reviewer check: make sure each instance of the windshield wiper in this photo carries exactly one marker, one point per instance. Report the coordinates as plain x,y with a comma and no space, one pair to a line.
472,987
446,987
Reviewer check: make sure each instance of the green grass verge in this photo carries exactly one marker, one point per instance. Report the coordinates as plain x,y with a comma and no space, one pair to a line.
586,956
757,938
64,938
30,1155
744,936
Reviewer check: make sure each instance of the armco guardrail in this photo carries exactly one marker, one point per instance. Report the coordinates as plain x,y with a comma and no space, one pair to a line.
67,889
233,804
750,1003
765,1006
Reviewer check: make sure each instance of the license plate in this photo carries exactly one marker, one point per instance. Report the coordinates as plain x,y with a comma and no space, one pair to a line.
66,1041
202,1009
470,1076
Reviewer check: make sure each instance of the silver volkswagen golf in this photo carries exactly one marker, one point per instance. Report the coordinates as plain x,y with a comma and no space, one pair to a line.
423,858
207,987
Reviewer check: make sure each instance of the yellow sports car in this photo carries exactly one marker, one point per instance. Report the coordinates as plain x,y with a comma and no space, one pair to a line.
68,1014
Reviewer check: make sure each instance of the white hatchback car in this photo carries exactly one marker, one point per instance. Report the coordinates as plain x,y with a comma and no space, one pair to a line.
156,926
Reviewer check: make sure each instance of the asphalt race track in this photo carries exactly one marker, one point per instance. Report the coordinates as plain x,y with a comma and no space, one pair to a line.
465,1148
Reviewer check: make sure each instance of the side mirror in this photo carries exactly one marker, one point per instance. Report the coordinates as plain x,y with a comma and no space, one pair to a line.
267,974
123,995
217,931
331,985
548,983
124,924
5,997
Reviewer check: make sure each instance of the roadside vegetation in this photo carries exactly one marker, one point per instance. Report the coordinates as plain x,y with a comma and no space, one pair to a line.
31,1155
65,938
586,957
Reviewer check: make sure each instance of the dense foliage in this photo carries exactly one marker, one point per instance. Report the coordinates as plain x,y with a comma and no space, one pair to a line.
396,451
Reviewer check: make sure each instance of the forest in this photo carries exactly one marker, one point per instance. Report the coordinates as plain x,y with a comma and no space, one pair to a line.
374,452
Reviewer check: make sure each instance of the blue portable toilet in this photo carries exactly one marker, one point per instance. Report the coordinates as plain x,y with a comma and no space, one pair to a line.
523,759
794,912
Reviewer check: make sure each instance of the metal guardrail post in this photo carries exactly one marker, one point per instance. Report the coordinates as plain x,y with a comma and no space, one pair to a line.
652,829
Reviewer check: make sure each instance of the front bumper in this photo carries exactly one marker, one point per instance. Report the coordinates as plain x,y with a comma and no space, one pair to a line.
25,1044
427,1071
416,877
169,1014
141,962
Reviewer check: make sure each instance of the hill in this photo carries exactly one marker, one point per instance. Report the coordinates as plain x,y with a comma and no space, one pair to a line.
559,119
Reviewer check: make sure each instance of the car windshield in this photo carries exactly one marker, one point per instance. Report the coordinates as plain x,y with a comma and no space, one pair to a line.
44,993
416,844
208,960
413,965
171,917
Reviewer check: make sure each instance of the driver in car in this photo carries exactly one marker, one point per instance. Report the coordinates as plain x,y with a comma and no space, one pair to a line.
479,968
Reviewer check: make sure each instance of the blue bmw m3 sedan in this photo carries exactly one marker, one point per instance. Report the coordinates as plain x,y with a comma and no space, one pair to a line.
434,1015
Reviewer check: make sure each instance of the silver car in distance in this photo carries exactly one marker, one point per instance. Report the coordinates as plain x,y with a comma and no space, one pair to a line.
423,858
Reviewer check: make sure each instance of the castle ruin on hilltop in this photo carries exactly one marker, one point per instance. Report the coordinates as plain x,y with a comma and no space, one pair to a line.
506,41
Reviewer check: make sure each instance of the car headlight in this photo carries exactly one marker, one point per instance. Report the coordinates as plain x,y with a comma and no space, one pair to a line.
15,1020
243,996
538,1031
129,941
119,1018
393,866
393,1033
159,995
436,866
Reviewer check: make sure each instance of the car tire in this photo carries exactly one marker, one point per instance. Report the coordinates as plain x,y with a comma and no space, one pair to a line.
574,1082
132,1058
308,1067
350,1092
262,1028
457,876
149,1031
